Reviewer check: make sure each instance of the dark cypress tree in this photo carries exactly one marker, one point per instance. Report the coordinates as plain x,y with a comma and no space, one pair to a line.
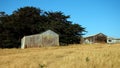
31,20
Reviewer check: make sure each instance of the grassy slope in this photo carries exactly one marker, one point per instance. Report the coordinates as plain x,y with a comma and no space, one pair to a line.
77,56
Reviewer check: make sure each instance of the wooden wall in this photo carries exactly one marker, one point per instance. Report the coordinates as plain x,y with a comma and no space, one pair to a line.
47,38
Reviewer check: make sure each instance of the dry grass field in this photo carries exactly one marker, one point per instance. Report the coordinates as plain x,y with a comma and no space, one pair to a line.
73,56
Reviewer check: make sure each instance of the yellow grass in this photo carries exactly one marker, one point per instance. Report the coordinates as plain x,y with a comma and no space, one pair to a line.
73,56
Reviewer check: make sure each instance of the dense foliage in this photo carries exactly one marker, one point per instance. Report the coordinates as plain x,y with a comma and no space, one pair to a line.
30,20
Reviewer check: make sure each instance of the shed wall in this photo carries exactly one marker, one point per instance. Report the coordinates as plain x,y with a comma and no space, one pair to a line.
48,38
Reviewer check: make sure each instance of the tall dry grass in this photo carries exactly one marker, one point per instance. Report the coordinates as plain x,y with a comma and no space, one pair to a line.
73,56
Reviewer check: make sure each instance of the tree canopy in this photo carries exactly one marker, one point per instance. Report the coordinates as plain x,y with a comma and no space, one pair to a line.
31,20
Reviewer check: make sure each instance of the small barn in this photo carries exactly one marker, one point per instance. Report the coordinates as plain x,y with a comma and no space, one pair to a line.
47,38
98,38
112,40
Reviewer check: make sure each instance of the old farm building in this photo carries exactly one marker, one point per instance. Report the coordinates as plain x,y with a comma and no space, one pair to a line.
113,40
47,38
98,38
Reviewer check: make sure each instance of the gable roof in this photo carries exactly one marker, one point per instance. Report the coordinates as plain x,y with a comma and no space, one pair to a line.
50,32
112,38
99,34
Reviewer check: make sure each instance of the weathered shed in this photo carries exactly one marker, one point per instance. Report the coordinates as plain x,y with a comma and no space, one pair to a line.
98,38
47,38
